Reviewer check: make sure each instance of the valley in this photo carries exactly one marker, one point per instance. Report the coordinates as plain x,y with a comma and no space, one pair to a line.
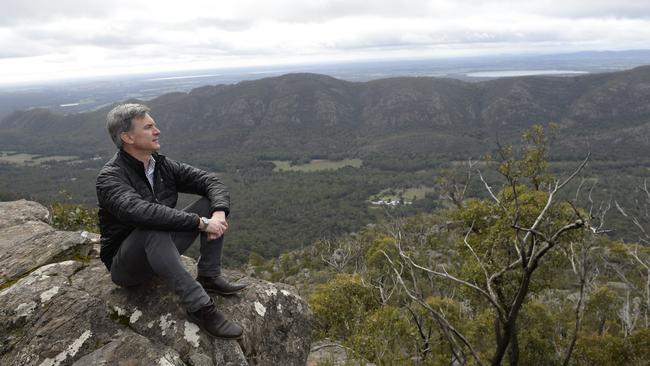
305,154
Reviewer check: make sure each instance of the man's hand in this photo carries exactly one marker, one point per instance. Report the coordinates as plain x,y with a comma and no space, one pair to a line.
217,226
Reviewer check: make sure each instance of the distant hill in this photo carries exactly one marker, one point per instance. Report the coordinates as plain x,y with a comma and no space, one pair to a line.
310,115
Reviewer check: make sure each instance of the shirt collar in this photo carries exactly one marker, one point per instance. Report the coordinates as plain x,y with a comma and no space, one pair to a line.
151,166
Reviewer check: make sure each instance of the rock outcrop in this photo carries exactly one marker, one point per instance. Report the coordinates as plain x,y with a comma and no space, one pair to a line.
27,241
61,308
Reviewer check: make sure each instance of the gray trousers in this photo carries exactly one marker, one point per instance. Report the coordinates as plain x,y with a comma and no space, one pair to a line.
145,253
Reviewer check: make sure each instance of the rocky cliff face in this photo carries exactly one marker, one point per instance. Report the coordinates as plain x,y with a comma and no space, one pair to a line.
58,306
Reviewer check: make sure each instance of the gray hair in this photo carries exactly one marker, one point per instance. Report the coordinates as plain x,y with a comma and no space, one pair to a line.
119,120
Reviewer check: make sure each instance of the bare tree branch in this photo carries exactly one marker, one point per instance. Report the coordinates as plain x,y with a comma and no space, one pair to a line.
489,189
446,275
576,172
442,321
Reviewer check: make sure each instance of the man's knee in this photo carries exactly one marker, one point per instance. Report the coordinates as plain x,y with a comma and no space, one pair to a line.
155,236
158,240
156,233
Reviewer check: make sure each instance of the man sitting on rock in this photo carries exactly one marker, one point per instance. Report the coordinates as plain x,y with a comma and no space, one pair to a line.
142,234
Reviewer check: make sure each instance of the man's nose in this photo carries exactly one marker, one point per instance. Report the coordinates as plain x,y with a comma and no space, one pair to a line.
156,131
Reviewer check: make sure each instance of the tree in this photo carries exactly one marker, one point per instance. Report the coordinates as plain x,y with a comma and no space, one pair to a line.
509,237
453,184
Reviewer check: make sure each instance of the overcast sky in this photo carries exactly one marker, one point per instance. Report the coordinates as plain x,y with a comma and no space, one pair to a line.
45,39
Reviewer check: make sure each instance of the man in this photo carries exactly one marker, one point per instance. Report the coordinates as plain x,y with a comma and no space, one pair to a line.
142,234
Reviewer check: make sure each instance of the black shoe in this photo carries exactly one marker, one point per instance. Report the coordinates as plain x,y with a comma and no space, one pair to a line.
219,285
215,323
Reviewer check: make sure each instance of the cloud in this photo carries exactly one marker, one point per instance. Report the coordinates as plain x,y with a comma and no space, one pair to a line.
231,25
120,34
32,11
631,9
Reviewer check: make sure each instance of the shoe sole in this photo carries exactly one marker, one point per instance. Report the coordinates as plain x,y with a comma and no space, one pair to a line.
196,321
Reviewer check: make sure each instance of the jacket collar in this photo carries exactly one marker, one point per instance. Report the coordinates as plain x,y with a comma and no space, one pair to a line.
135,163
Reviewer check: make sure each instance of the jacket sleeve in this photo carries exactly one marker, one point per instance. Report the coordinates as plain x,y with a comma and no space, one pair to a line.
193,180
117,196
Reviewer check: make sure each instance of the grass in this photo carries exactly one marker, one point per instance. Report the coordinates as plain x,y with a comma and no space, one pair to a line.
316,165
30,159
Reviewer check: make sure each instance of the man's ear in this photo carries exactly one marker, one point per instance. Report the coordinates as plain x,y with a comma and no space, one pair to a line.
126,138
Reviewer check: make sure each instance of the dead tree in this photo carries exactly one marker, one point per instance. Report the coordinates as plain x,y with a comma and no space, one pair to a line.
584,262
642,217
453,185
335,254
641,221
585,268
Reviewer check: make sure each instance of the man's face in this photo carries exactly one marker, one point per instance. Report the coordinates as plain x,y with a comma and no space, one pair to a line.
143,135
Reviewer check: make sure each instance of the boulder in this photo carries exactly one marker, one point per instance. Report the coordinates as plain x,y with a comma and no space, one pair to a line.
70,313
18,212
27,241
331,353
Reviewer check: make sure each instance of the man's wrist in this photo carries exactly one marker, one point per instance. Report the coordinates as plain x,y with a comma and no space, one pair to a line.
203,223
219,213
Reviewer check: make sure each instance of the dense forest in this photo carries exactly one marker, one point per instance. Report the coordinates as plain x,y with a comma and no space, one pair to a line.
520,276
513,261
411,212
277,211
405,134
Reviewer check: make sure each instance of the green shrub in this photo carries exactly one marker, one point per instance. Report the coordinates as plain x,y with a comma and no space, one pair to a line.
69,216
382,337
597,350
340,306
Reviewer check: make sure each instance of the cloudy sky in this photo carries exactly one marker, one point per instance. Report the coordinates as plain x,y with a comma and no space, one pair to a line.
45,39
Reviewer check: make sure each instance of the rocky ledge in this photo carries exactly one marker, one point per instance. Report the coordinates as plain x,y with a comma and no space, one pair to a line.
58,306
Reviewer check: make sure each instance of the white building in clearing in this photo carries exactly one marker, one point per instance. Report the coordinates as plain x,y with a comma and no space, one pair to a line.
390,202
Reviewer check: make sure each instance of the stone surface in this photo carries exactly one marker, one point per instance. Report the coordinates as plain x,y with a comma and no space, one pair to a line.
70,313
27,241
18,212
322,353
130,348
329,353
46,321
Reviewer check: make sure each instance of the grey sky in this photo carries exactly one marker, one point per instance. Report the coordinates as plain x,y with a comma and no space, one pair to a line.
44,39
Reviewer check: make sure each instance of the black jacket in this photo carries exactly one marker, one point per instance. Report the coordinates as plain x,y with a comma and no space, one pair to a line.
126,200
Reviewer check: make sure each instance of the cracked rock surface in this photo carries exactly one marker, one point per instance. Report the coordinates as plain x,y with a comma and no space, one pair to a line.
70,313
27,241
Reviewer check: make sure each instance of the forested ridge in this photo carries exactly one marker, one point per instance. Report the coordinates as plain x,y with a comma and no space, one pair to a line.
308,116
515,262
523,275
405,131
497,257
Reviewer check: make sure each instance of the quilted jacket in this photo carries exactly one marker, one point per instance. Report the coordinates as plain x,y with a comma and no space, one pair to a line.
127,200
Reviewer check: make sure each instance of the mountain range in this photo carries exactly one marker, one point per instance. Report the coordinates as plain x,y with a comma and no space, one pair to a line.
310,115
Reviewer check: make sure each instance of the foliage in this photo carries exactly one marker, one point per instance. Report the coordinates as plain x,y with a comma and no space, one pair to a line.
602,309
537,328
601,350
545,326
383,337
278,215
341,305
558,309
71,216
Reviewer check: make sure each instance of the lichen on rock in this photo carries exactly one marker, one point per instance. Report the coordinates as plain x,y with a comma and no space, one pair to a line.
70,313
